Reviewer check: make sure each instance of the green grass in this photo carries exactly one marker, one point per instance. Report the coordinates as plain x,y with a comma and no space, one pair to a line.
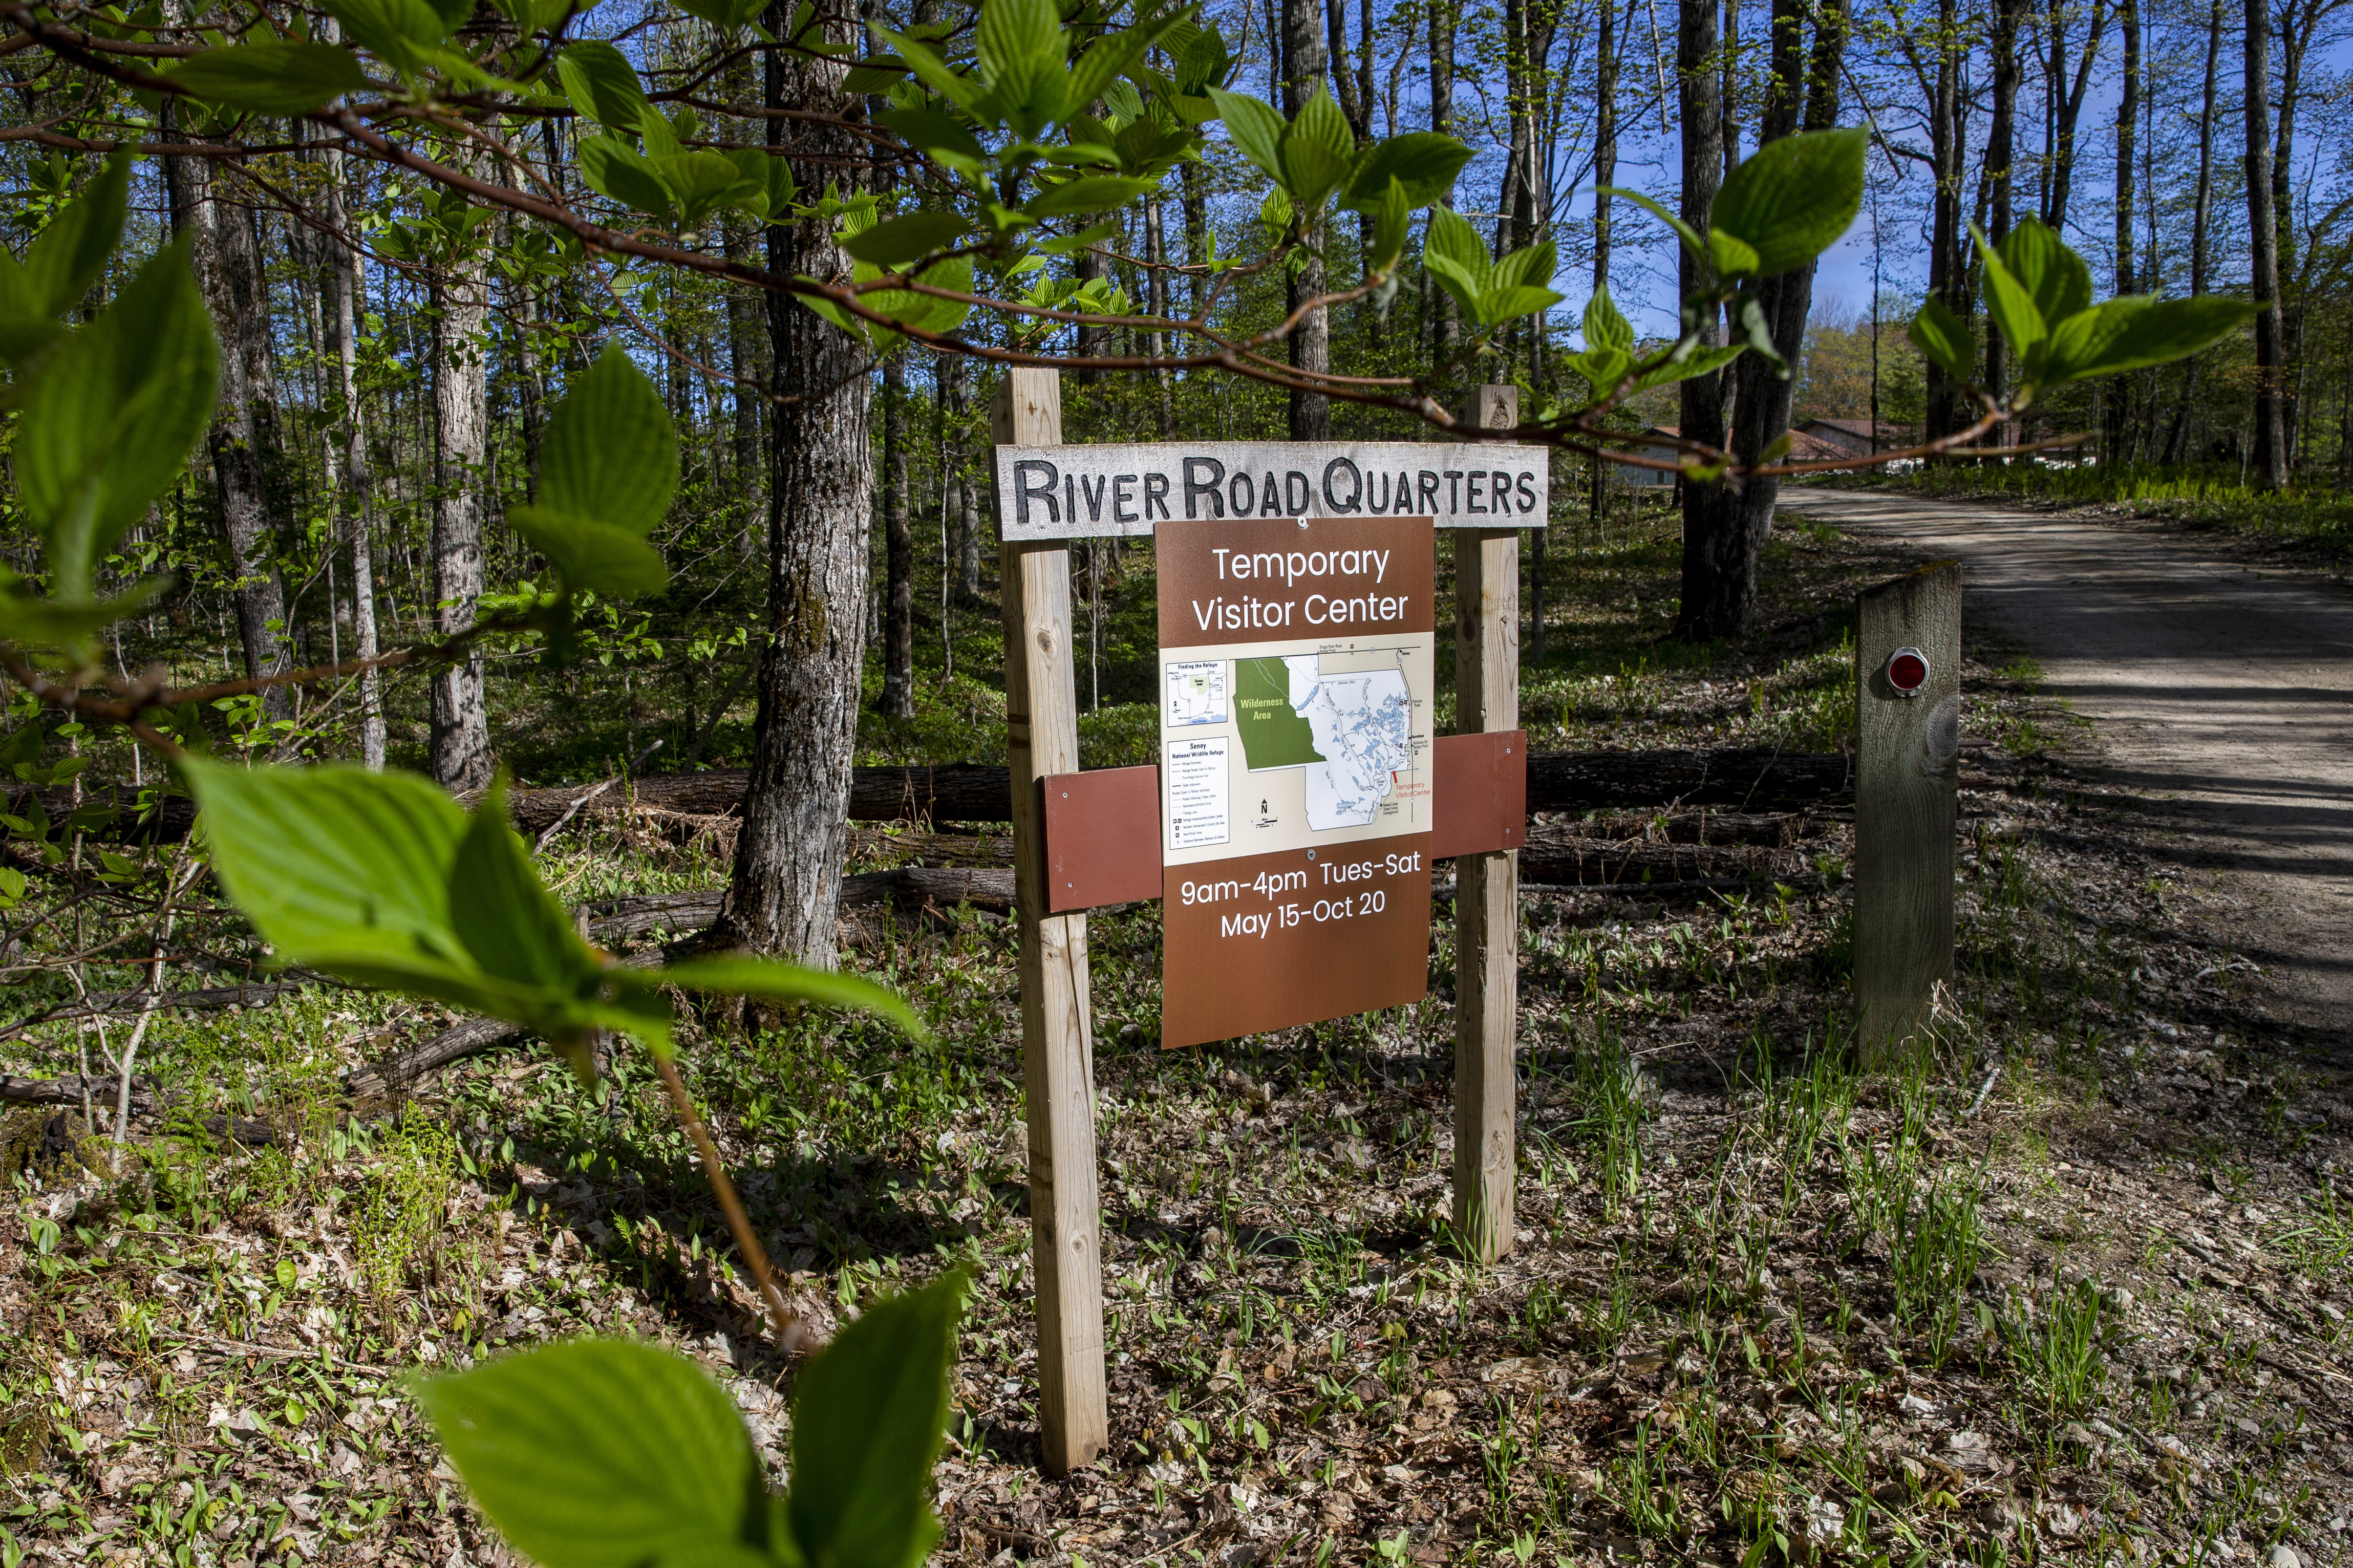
2313,513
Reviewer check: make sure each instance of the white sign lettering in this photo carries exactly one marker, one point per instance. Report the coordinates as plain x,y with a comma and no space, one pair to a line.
1091,492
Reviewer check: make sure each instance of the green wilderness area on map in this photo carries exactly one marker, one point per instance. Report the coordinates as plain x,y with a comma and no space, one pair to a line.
1274,736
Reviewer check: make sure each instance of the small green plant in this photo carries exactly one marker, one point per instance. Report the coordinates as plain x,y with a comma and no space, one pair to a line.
404,1200
2055,1345
608,1454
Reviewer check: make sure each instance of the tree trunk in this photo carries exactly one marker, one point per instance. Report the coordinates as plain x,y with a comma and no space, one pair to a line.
1304,64
1760,413
2267,460
2299,23
1444,315
2068,108
788,875
344,283
461,729
1604,137
246,442
2001,144
1947,274
1707,507
899,549
1156,303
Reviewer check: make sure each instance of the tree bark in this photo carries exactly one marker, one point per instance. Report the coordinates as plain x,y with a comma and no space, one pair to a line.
246,442
2067,108
2002,152
1760,414
1445,317
461,727
1604,137
1304,66
344,281
2267,461
1707,507
1947,273
788,875
899,549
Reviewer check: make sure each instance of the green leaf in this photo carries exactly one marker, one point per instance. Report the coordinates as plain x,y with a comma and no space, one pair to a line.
2133,332
1450,236
873,79
1701,362
1731,255
619,173
1254,127
602,84
1318,152
1423,164
746,976
700,181
111,420
1945,338
396,32
1605,325
1392,227
454,14
1088,194
31,622
507,920
1748,312
1499,305
2055,275
1095,72
71,253
868,1417
938,133
728,14
1203,63
605,1454
333,858
593,557
911,236
273,78
1793,200
2009,303
934,71
1684,231
1020,52
610,454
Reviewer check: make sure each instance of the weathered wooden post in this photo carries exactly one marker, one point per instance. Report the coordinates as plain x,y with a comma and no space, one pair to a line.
1486,887
1041,716
1907,662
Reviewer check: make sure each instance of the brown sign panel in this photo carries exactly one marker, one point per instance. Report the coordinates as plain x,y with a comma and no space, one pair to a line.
1480,787
1269,942
1297,660
1100,844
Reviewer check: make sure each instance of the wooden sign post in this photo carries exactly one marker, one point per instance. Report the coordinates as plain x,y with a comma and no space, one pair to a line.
1907,661
1041,724
1486,887
1085,839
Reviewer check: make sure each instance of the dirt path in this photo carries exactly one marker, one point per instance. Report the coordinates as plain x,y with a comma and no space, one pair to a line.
2222,693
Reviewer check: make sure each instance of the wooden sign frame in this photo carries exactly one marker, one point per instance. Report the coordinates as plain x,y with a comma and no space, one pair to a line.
1057,1041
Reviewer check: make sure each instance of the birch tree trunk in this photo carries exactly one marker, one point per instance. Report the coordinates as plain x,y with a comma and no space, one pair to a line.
343,283
898,699
461,725
786,883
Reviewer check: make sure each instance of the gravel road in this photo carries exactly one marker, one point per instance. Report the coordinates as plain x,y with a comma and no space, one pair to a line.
2221,691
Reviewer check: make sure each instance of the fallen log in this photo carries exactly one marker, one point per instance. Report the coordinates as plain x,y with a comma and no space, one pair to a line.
1751,778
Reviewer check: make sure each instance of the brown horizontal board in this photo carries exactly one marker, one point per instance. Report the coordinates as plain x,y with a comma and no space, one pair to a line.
1103,837
1479,793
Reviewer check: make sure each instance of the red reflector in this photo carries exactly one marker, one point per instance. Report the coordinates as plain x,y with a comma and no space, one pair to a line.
1908,670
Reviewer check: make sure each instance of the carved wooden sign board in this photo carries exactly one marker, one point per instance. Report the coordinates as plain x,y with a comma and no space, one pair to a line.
1301,797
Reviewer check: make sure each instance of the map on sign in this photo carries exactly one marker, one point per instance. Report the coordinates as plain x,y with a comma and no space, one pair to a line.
1335,740
1196,694
1350,730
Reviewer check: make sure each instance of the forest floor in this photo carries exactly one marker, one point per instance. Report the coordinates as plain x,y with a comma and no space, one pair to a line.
2069,1283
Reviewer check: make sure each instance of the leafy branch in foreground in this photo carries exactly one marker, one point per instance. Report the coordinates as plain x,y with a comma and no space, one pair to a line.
612,1454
